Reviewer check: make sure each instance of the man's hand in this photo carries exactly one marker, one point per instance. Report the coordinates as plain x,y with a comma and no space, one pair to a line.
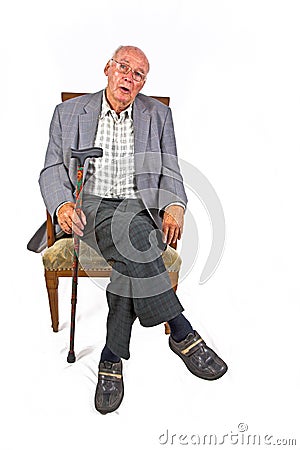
172,225
69,220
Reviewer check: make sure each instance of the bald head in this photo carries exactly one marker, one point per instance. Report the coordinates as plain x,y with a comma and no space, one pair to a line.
131,48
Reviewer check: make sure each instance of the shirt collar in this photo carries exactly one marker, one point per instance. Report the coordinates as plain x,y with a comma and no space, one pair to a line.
106,109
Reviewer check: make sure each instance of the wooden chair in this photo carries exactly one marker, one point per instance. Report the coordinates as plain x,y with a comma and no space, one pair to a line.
58,258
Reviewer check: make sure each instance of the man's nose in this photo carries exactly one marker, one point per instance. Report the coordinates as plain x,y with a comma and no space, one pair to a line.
128,76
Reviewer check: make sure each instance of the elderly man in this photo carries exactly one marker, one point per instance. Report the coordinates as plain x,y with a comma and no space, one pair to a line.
133,206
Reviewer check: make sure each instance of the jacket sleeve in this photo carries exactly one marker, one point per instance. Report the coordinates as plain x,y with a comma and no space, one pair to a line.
171,188
55,184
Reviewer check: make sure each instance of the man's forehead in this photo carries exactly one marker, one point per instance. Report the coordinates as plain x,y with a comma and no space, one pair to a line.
128,56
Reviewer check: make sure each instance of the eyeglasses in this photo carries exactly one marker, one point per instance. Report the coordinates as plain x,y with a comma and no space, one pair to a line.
124,68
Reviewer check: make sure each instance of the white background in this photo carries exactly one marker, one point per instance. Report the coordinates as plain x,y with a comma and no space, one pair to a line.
232,71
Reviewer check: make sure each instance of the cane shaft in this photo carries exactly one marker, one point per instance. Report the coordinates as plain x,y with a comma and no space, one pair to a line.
71,355
81,156
74,292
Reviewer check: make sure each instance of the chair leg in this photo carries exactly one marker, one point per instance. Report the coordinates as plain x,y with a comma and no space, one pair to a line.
167,328
174,281
52,289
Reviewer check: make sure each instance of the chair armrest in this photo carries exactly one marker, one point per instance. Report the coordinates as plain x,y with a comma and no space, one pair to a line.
50,230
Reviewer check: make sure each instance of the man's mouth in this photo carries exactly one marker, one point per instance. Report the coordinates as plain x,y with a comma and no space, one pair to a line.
125,90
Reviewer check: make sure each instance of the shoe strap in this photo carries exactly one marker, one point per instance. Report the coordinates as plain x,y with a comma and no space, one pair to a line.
110,374
187,349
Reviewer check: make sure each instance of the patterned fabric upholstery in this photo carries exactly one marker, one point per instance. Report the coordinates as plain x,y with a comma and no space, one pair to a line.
60,257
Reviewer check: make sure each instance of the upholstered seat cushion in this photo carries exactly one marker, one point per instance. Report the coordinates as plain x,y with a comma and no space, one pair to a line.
60,257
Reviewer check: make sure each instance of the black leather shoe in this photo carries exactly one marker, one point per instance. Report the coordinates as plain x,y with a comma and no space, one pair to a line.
201,360
110,388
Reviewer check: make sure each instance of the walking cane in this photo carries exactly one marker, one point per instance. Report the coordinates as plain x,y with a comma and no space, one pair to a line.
81,156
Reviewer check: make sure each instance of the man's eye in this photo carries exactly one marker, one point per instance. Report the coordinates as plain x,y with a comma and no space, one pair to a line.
123,67
138,74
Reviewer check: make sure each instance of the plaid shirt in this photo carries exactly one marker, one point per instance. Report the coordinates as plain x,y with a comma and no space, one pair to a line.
113,175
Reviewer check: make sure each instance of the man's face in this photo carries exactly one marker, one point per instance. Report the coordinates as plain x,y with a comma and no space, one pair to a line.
122,88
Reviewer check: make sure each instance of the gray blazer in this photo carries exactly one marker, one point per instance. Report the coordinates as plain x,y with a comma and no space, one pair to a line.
74,125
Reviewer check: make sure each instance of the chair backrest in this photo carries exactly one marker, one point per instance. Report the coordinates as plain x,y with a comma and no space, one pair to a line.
67,95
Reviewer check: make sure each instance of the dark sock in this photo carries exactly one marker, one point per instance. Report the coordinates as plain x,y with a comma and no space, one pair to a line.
180,327
108,355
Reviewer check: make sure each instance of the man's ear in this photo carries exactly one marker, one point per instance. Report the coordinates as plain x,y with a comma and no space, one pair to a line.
106,68
142,85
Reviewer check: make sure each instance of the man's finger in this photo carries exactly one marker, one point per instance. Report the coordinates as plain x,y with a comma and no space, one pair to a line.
65,227
77,221
175,235
170,235
77,230
165,230
83,217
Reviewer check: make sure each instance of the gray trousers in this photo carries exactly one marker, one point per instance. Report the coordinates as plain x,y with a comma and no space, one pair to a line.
123,232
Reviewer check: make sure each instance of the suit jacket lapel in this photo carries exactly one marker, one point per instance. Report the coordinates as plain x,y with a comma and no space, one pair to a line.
87,124
141,124
88,121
